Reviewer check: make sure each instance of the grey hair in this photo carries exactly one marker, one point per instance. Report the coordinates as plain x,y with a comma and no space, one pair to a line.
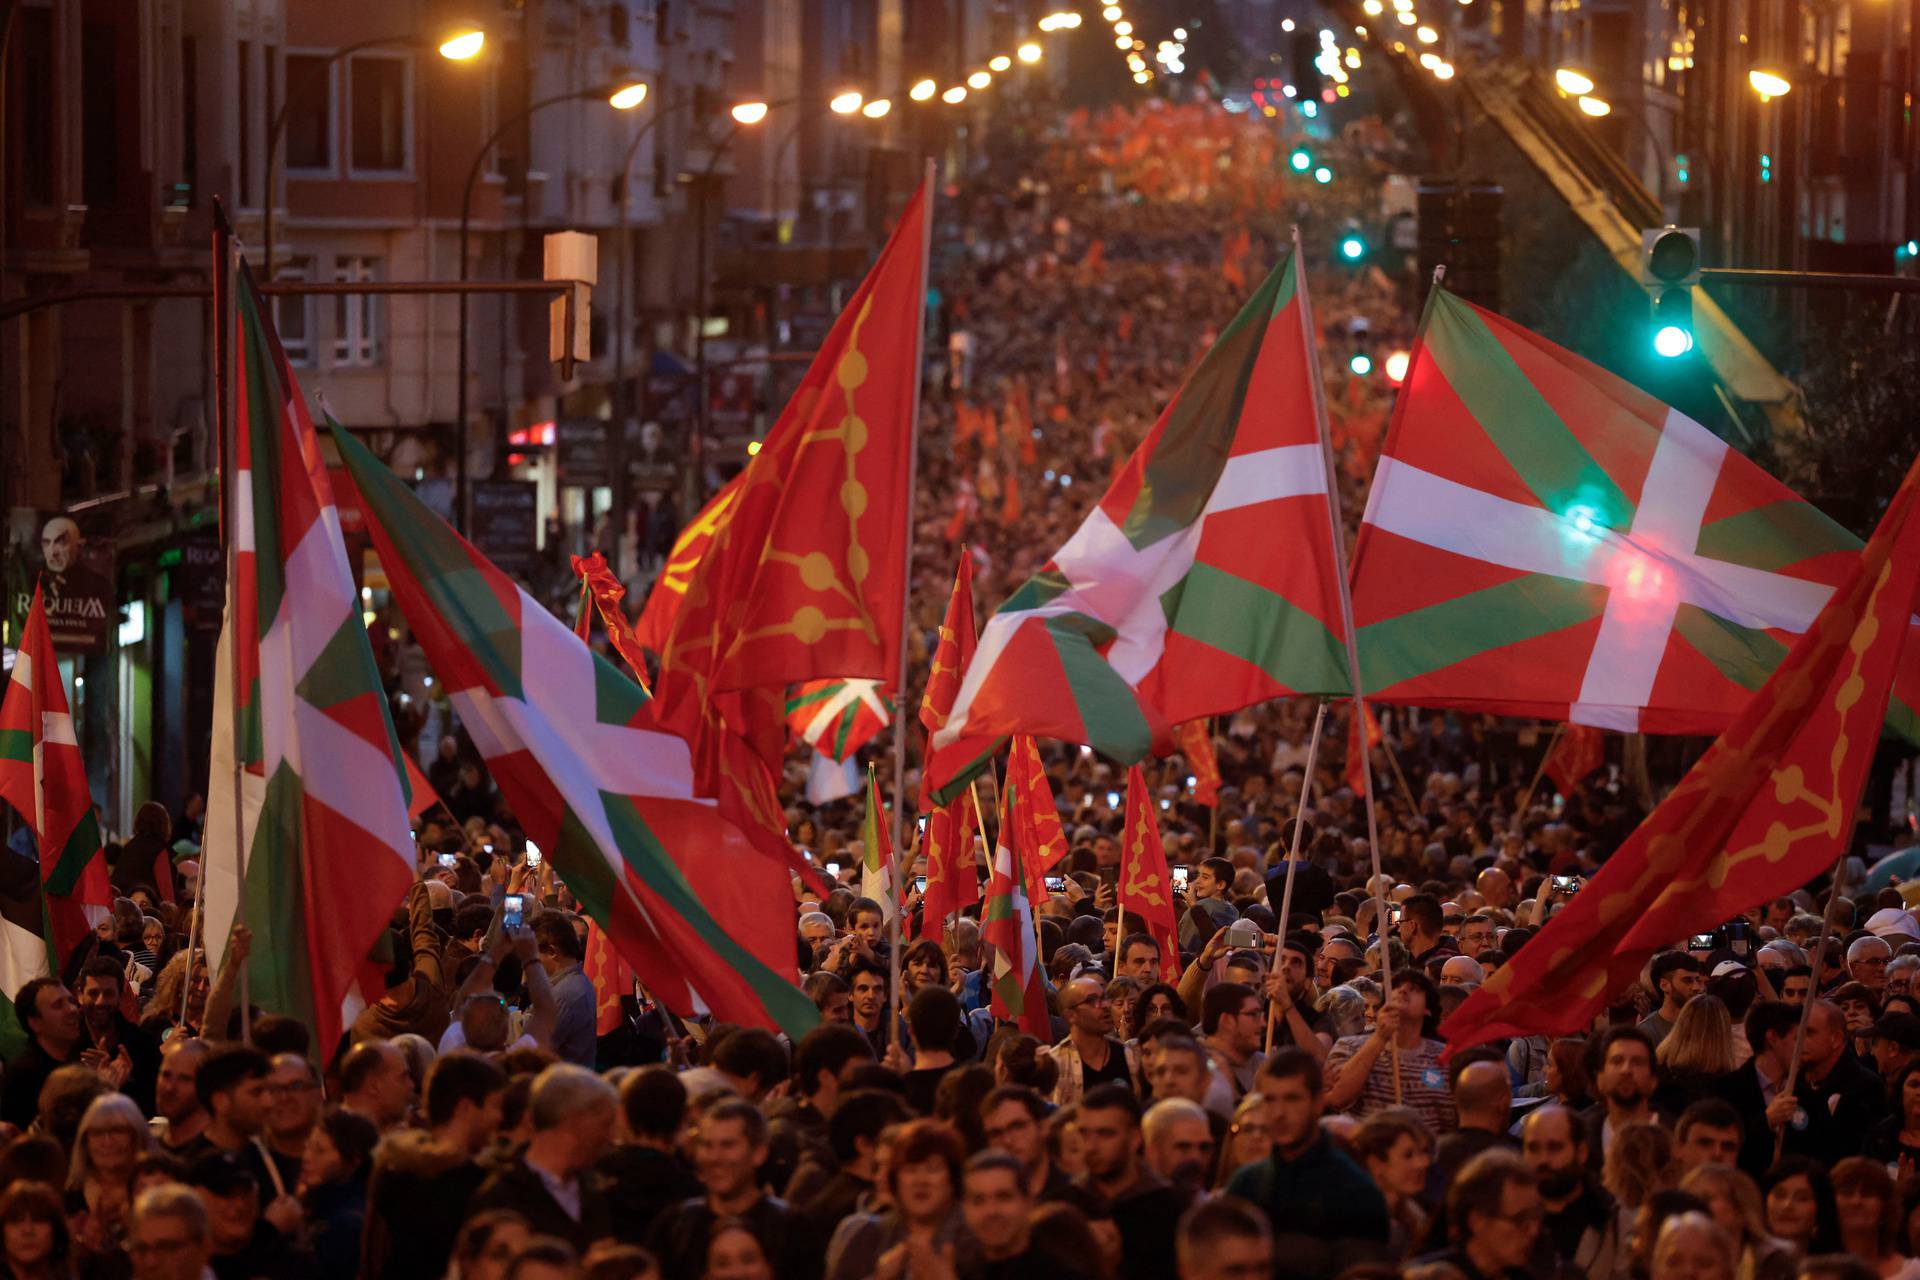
172,1200
108,1111
564,1091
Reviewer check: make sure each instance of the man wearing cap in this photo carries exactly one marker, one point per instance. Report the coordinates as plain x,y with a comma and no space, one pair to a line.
1894,924
1895,1043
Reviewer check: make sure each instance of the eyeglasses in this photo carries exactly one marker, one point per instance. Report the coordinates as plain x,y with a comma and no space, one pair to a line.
1100,999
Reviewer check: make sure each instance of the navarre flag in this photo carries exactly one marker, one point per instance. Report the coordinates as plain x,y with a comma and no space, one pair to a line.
1006,925
1771,805
1360,747
950,657
1037,833
655,624
1145,890
879,878
1204,580
327,846
838,717
953,881
44,778
612,979
609,801
1195,740
1580,750
1544,539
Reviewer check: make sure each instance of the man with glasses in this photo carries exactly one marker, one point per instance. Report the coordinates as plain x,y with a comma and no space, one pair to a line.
1867,962
168,1237
1493,1218
1014,1120
293,1105
1234,1020
1090,1055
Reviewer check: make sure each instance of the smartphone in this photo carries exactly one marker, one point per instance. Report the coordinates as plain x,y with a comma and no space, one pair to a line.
1056,884
1739,937
487,847
920,884
1701,942
1180,878
513,909
533,854
449,859
1566,884
1113,799
833,870
1166,804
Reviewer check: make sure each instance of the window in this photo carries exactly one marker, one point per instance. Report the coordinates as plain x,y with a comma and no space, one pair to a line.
100,132
356,316
308,140
379,101
293,316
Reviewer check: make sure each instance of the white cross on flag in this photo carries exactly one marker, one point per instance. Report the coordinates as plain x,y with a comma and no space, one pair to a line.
1545,539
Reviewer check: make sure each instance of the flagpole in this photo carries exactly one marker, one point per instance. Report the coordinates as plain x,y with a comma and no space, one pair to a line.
1386,744
226,273
906,588
1293,859
1338,529
1519,814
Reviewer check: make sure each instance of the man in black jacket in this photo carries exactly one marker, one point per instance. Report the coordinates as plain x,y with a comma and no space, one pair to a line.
645,1175
421,1181
731,1146
52,1021
1836,1100
549,1185
127,1057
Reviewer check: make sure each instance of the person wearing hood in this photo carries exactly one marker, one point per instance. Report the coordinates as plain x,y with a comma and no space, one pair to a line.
422,1178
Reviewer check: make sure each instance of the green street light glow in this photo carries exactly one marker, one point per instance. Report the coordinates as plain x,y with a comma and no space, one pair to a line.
1301,160
1361,363
1671,341
1323,175
1353,248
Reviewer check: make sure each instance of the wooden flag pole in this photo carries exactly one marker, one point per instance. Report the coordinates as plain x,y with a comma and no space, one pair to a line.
1293,859
1337,528
1520,813
906,597
1813,994
226,355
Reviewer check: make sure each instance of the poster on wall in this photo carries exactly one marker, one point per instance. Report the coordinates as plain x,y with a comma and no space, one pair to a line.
75,572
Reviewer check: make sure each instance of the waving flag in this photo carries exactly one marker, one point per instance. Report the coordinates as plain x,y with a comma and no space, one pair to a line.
1203,582
1579,752
1037,834
838,717
950,657
953,881
609,801
879,876
1006,925
1770,806
1196,744
43,777
1544,539
1360,748
328,848
655,624
597,580
1145,890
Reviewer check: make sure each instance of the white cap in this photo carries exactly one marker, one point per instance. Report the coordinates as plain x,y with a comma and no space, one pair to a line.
1726,967
1893,921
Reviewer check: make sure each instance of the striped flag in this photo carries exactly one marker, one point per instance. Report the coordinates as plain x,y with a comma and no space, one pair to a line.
1006,924
44,778
838,717
879,878
324,826
609,801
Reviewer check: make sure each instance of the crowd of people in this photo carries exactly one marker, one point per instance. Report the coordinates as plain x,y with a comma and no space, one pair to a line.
1257,1105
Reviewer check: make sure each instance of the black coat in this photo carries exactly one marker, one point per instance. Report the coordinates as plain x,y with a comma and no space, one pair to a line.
516,1186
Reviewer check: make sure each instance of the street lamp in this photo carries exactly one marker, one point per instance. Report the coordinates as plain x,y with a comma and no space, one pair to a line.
877,108
1028,53
845,103
1572,82
999,62
1769,83
623,96
955,95
744,112
1595,107
461,43
922,90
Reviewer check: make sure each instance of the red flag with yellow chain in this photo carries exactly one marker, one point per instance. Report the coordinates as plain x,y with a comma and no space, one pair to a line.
1195,743
1145,891
1037,834
1770,806
655,623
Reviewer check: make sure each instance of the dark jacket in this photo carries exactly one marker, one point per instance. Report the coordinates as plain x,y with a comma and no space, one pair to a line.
518,1187
20,1090
1326,1211
416,1200
679,1239
338,1212
641,1184
1836,1115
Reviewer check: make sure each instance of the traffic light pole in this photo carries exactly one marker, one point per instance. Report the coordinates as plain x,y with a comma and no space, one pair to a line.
1810,280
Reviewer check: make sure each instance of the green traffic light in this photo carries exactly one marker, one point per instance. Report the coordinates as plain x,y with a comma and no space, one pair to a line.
1301,160
1353,248
1323,175
1671,341
1361,364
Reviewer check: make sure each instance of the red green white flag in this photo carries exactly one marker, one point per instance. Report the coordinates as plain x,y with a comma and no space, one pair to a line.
328,849
1544,539
1203,582
878,875
44,778
609,800
1006,925
838,717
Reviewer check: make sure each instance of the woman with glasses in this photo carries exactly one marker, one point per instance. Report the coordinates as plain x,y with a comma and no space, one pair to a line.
113,1136
1246,1141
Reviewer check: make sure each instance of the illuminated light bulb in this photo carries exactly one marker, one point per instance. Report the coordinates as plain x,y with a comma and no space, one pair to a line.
463,46
877,108
1769,84
1397,366
923,90
627,96
999,62
979,80
1444,71
749,112
1573,83
1427,35
1429,60
954,96
1111,13
1123,28
1028,53
1595,107
845,104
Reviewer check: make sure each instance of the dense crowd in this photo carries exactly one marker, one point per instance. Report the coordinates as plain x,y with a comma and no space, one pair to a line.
1264,1110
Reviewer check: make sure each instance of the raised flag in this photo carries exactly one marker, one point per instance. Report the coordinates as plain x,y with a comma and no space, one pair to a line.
1203,582
1360,750
1580,750
326,841
612,979
1544,539
1771,805
953,881
950,657
1037,834
610,801
879,877
838,717
44,778
1145,889
1195,740
607,591
1006,925
655,624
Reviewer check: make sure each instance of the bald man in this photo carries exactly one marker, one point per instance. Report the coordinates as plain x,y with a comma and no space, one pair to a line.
1496,888
1483,1097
